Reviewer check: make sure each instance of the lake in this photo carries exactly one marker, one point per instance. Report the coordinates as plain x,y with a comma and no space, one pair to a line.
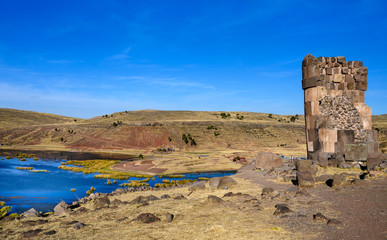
22,189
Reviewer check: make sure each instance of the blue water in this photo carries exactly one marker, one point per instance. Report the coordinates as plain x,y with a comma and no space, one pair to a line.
22,189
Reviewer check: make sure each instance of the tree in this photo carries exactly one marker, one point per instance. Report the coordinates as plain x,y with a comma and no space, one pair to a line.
270,115
293,118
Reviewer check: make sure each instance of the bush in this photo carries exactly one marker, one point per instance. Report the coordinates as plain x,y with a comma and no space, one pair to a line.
193,142
140,156
225,115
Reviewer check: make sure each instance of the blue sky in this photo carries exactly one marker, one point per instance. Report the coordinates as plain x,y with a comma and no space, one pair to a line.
88,58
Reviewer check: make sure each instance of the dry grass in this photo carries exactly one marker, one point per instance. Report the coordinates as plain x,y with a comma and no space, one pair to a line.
194,219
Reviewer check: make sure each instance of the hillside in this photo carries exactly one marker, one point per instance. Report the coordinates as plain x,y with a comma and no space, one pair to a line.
148,130
12,118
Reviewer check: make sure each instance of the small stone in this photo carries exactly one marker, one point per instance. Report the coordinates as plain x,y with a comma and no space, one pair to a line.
267,191
333,222
79,211
281,209
146,218
197,186
52,232
101,202
179,196
122,219
214,200
78,225
165,196
320,217
32,233
116,202
31,213
169,217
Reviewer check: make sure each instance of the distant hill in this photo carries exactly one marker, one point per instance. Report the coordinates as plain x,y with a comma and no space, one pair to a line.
152,129
12,118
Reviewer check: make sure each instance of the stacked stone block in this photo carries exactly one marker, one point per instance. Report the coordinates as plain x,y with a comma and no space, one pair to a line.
338,122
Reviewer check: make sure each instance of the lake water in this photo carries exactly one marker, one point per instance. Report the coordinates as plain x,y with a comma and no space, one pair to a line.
22,189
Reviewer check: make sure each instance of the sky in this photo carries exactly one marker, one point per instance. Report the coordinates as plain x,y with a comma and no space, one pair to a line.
89,58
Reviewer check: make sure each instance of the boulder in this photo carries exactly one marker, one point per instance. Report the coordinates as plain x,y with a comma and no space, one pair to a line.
281,209
305,172
197,186
61,208
267,160
333,222
31,213
226,182
116,202
339,180
373,160
101,202
146,218
214,182
78,225
214,200
267,191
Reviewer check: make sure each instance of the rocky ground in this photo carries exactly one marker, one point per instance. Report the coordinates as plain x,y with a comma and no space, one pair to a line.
253,204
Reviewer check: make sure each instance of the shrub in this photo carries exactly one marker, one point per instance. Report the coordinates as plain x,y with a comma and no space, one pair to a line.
108,182
140,156
216,133
225,115
193,142
4,211
270,115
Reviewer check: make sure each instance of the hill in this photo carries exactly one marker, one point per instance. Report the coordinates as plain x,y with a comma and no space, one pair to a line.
149,130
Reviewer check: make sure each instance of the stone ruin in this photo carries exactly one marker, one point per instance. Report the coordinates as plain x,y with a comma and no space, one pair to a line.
338,123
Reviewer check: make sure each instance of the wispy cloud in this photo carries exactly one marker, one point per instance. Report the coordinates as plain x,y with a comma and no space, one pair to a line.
123,55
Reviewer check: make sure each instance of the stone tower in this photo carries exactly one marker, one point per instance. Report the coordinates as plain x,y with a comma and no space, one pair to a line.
338,122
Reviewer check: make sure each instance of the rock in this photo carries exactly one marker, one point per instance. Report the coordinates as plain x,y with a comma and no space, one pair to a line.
339,180
226,182
319,217
281,209
301,192
214,200
214,182
169,217
231,194
79,211
119,190
152,198
92,196
305,172
345,165
323,178
373,160
61,208
165,196
197,186
34,223
32,233
52,232
146,218
116,202
266,191
101,202
139,200
333,222
267,160
31,213
122,219
78,225
74,205
179,196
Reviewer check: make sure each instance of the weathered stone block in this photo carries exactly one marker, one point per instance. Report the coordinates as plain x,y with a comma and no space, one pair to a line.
327,135
347,136
339,146
334,93
329,71
315,94
363,109
344,70
340,59
367,122
338,78
328,147
267,160
336,70
358,64
310,146
356,151
373,160
310,122
357,77
362,70
362,86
